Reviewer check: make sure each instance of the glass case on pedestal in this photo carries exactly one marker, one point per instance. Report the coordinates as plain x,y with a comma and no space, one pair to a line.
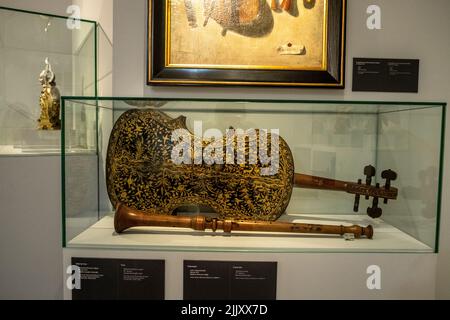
27,40
385,157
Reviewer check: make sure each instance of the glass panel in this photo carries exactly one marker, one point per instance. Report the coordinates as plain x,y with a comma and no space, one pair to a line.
105,64
84,68
410,141
80,167
335,140
26,40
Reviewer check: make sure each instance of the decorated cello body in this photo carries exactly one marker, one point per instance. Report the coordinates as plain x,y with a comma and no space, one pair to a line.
142,175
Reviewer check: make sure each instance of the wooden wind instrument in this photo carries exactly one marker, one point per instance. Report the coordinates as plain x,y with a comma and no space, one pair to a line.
126,218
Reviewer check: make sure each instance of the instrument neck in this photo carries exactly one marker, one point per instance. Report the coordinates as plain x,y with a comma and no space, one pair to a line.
313,182
359,189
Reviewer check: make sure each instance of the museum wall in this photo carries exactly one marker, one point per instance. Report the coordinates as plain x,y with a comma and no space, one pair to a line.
410,29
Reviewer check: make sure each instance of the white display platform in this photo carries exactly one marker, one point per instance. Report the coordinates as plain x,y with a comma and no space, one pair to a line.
12,151
387,239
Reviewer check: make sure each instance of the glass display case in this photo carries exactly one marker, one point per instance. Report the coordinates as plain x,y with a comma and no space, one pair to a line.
333,140
27,39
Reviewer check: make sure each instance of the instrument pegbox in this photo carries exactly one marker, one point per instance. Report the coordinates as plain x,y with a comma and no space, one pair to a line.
389,176
369,172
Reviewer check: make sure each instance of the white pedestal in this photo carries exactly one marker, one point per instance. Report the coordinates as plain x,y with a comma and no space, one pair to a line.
309,267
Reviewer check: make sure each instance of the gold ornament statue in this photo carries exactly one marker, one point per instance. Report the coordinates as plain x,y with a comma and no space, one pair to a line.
49,100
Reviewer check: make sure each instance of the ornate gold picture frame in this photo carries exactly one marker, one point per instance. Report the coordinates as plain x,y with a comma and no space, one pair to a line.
247,42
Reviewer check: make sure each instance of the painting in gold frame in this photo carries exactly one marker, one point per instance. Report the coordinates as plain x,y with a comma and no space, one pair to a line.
247,42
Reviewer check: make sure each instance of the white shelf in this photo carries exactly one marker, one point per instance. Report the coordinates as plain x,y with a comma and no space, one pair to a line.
386,238
11,151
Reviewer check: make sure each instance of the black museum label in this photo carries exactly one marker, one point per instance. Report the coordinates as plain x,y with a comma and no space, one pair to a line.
120,279
386,75
225,280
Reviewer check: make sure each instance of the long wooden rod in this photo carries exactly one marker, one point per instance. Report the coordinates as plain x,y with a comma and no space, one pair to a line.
313,182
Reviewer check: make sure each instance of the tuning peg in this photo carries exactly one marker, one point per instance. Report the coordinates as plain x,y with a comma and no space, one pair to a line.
389,176
375,211
357,199
369,172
